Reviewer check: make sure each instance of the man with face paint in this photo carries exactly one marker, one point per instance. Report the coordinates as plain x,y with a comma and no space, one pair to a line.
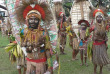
61,23
83,40
33,21
62,32
35,41
99,48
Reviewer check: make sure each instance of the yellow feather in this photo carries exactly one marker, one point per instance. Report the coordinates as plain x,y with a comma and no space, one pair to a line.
15,52
11,44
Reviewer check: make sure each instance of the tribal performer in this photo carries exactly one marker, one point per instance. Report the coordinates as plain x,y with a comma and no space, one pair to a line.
79,12
83,35
73,41
62,32
35,39
99,48
61,23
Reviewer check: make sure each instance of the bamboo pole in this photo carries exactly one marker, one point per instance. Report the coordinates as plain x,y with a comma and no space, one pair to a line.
82,11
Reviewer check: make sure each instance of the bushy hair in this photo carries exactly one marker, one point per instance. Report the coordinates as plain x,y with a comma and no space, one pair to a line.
20,9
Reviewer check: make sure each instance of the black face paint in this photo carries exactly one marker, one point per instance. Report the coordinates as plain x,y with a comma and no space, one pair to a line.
33,22
99,18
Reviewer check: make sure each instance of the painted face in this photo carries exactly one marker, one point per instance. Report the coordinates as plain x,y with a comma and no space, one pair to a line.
83,24
33,22
99,18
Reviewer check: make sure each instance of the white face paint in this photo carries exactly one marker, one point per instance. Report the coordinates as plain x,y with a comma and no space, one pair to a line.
99,18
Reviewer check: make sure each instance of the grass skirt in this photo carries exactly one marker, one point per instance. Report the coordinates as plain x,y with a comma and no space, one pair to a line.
21,61
100,56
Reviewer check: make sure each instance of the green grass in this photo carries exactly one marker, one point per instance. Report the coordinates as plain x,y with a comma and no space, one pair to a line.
67,67
5,65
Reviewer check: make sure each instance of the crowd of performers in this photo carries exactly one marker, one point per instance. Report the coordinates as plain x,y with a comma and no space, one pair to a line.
90,41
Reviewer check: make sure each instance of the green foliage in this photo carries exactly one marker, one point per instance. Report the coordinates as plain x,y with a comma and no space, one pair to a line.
97,2
89,50
67,7
12,38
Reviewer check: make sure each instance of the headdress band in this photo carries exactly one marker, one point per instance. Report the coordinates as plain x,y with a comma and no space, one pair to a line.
37,9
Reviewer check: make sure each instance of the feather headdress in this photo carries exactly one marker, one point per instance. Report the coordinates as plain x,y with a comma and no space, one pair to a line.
58,8
27,6
94,11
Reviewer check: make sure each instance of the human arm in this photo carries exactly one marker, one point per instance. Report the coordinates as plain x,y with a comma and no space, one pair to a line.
48,53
